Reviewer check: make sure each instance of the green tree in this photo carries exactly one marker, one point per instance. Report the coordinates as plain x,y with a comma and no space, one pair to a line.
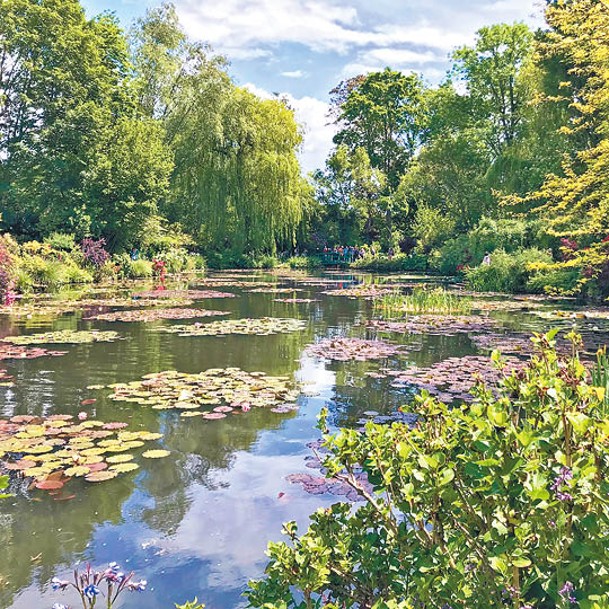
382,113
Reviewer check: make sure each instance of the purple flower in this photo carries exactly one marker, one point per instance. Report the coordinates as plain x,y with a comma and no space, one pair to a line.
567,592
137,586
560,482
91,591
59,584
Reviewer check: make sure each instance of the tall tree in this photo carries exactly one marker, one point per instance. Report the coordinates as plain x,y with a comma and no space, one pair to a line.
382,113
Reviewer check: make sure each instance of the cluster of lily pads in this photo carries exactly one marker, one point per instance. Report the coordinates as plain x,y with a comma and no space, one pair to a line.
274,290
53,449
454,378
186,294
64,337
358,349
213,393
10,351
263,326
151,315
367,292
441,325
296,300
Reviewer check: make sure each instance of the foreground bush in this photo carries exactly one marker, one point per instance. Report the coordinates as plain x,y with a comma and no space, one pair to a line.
501,503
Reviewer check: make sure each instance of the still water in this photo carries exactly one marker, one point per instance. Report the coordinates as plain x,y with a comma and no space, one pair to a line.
196,523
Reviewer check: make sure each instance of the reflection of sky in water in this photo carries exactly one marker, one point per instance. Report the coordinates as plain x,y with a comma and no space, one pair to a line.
197,523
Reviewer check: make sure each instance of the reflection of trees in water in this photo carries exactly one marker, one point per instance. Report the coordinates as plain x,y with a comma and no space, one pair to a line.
41,537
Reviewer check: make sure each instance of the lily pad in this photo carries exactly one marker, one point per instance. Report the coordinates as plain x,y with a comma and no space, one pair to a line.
263,326
151,315
230,387
156,454
188,294
64,337
357,349
101,476
9,351
436,325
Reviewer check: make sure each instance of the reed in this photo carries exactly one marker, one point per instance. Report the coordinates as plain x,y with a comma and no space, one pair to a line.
424,300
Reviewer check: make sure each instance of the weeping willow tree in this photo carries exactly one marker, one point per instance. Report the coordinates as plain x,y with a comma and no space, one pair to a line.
237,185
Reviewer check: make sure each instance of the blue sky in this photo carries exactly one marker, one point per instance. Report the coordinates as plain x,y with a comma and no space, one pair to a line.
303,48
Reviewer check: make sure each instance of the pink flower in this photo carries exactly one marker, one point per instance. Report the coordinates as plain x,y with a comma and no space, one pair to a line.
82,416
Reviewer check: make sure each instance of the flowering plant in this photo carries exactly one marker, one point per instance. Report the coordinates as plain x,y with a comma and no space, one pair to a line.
94,251
88,585
500,503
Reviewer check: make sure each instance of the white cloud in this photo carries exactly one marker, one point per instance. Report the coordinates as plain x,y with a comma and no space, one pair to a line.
295,74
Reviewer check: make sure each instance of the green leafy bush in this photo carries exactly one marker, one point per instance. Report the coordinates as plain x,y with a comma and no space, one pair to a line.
506,272
395,264
500,503
304,262
139,269
61,241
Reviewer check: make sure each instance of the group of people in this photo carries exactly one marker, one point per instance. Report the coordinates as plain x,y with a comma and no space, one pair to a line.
347,253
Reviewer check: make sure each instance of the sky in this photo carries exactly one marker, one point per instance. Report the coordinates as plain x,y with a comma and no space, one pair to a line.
303,48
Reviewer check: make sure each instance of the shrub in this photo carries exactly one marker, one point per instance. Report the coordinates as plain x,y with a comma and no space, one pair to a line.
304,262
506,272
7,272
61,241
499,503
94,251
431,227
416,263
139,269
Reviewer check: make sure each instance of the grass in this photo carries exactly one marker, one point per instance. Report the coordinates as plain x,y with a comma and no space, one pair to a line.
424,300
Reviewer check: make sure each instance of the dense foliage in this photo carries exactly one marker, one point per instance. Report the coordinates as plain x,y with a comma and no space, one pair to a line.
508,154
105,137
502,502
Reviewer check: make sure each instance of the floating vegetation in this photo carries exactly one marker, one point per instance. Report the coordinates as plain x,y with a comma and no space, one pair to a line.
296,300
347,349
64,337
367,292
454,378
424,300
6,380
504,305
155,454
573,315
224,283
151,315
54,449
232,388
188,294
274,291
436,325
263,326
10,351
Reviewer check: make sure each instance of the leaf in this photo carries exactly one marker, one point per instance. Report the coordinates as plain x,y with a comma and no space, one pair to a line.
155,454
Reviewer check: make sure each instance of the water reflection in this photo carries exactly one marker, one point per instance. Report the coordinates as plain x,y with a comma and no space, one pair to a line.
196,523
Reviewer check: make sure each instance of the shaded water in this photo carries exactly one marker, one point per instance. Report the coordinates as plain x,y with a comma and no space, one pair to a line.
196,523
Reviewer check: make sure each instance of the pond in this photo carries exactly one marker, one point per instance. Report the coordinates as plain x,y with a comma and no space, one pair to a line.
197,522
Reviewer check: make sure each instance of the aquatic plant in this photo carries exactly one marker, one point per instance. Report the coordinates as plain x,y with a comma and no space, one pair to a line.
64,337
217,391
500,503
6,380
150,315
441,325
353,349
183,294
263,326
424,300
296,300
54,449
88,584
600,376
366,292
20,352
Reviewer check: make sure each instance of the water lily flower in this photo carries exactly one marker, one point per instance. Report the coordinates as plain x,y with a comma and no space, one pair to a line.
82,416
138,586
59,584
91,591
